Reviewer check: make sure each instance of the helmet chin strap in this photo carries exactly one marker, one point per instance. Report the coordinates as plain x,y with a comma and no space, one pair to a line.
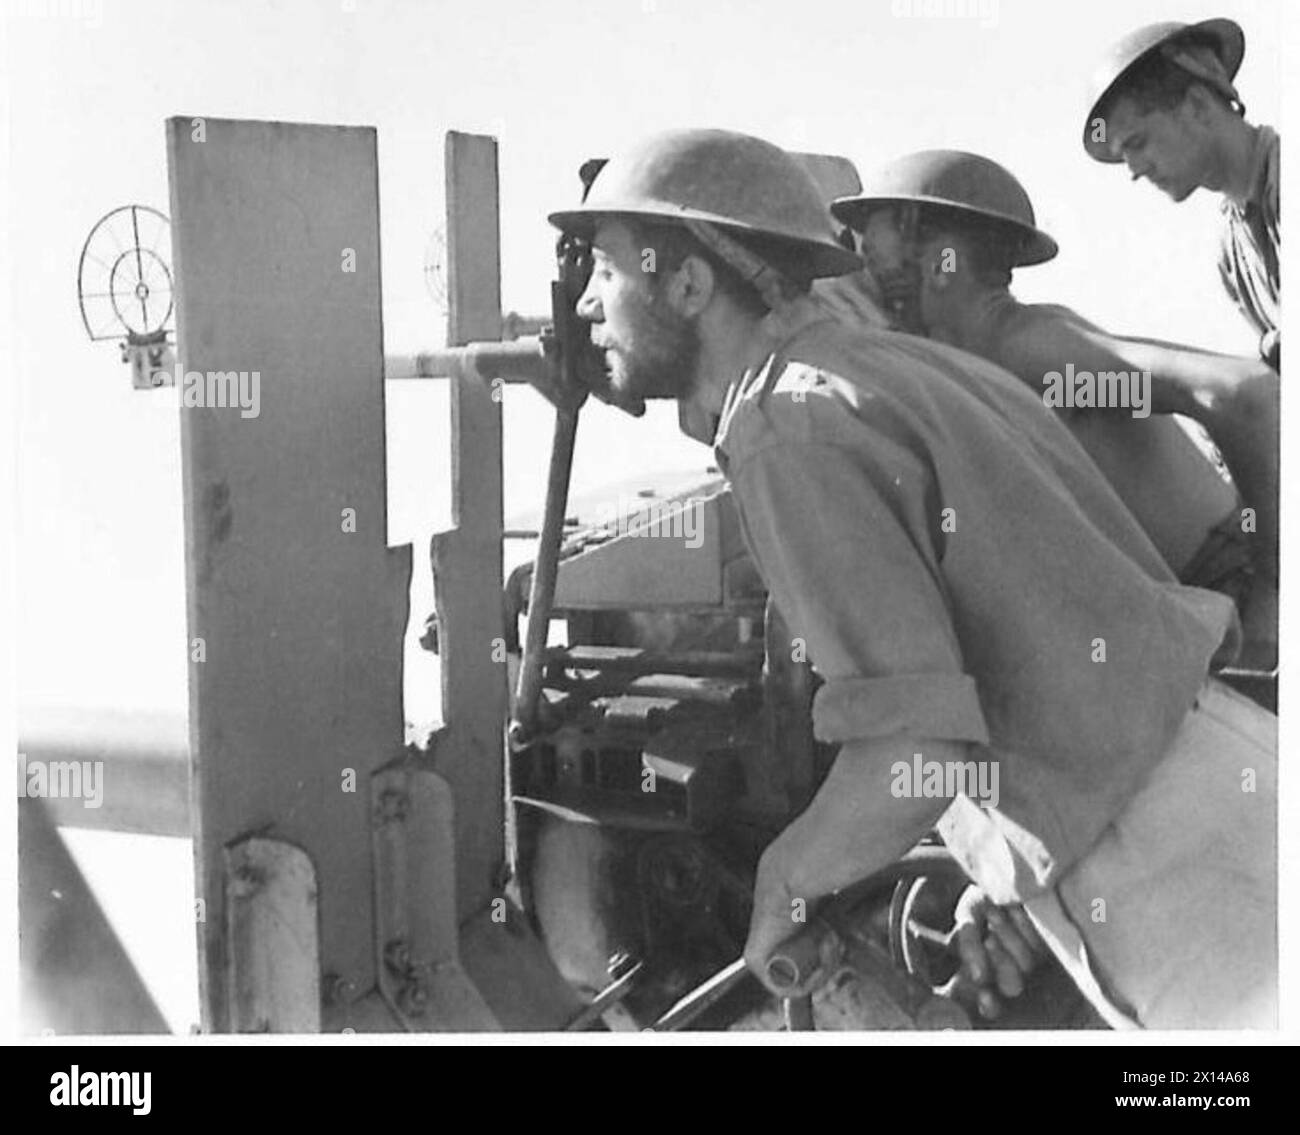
754,270
1204,63
909,224
903,298
788,310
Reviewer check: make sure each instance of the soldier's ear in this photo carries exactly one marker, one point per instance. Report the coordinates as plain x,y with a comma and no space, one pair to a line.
1201,103
692,286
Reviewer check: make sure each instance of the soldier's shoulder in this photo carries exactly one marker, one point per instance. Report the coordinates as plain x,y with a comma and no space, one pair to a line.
1029,330
814,396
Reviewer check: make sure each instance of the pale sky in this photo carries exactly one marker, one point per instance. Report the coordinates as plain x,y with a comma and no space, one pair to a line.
101,616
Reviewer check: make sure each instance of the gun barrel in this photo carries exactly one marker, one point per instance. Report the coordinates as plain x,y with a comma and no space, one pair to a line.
519,360
527,360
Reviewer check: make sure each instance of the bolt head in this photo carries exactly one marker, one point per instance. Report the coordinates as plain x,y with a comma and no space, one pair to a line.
397,956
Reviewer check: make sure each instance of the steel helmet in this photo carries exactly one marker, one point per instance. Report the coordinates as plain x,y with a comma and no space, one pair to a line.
965,183
743,185
1227,38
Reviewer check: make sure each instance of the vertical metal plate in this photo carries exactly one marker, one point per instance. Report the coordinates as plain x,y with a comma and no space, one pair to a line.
469,751
275,231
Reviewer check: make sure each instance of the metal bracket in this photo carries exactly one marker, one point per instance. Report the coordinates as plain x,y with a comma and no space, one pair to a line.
152,359
272,943
416,934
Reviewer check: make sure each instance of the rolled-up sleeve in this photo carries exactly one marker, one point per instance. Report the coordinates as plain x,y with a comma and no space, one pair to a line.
842,540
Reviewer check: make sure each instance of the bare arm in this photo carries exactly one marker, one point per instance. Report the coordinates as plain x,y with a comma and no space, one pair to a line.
854,826
1236,399
862,818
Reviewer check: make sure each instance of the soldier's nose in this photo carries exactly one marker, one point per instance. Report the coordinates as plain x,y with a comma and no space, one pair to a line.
588,306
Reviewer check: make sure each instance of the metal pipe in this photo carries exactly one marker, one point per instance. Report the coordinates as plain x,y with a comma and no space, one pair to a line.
542,594
634,660
518,361
529,360
516,326
807,956
608,997
797,1013
798,960
702,997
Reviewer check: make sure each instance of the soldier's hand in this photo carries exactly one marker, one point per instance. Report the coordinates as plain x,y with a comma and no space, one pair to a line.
771,922
998,948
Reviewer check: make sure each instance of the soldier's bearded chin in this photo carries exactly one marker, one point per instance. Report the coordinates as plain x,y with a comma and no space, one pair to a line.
659,354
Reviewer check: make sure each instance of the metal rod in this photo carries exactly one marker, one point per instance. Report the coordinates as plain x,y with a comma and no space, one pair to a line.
608,997
529,360
800,955
498,360
634,660
701,998
542,594
797,1013
521,360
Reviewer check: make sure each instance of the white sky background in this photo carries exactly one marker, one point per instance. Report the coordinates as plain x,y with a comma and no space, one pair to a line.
100,616
100,549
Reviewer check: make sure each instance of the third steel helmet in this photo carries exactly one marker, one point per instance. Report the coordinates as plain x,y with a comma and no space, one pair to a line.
1225,36
962,182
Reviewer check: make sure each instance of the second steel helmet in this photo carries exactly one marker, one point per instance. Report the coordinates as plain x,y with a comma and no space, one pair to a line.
956,180
743,185
1225,36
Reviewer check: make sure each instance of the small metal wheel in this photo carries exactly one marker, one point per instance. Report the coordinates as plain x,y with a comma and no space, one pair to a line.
921,917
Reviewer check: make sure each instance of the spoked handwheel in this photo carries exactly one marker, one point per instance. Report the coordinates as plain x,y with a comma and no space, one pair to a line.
921,918
124,279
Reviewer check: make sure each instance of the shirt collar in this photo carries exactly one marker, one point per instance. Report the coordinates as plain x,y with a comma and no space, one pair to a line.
754,376
1265,139
780,330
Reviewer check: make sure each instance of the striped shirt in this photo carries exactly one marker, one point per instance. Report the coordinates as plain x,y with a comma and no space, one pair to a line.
1251,245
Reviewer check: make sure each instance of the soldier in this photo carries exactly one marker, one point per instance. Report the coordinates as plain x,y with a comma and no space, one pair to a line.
967,584
1164,103
943,230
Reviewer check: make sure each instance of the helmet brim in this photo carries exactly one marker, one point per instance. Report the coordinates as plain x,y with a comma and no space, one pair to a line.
1036,246
1230,46
797,256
